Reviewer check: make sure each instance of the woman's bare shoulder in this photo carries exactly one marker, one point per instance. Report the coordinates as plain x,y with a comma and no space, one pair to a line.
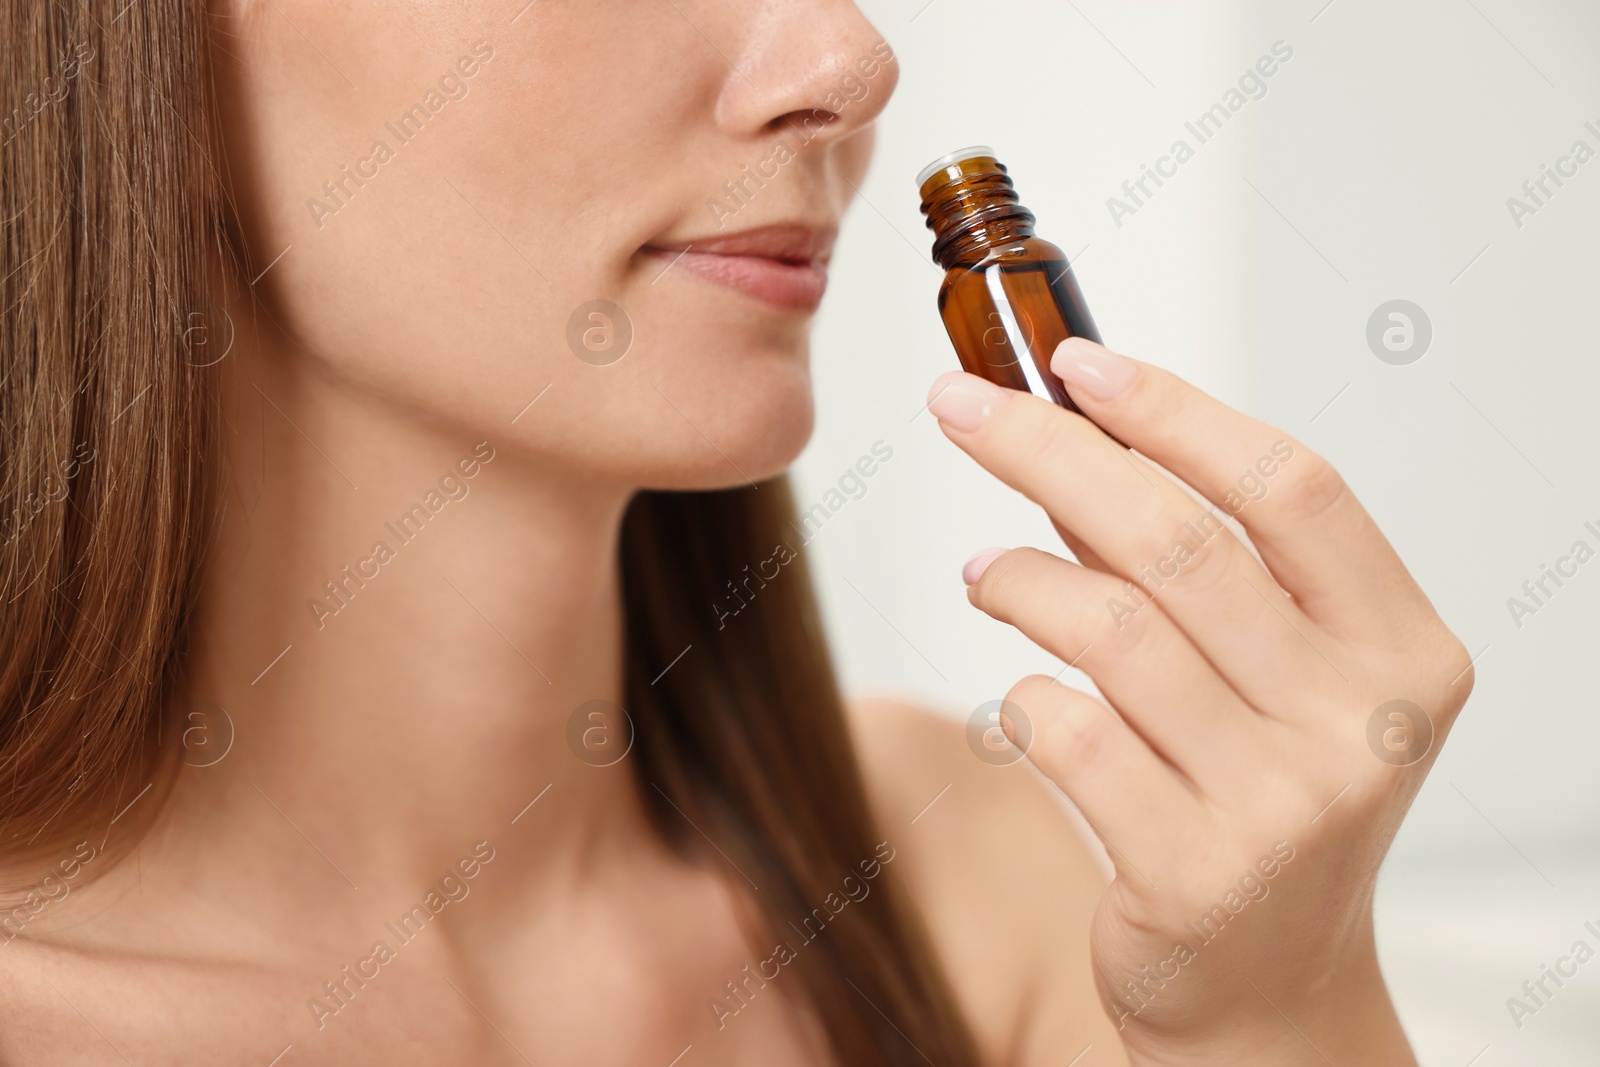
45,989
1005,878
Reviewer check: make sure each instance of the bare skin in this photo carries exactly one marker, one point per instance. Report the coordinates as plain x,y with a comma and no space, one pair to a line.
419,730
1006,885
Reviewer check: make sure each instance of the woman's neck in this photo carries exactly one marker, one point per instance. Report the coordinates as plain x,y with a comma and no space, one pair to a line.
399,619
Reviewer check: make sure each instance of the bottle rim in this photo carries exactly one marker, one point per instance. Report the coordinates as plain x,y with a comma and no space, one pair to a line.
951,159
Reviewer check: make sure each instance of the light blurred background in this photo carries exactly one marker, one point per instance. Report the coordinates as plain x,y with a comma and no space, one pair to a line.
1377,167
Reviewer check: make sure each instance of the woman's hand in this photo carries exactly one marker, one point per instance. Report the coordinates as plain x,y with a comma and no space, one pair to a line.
1273,717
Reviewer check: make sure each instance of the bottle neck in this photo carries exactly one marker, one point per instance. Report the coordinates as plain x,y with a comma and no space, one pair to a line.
972,208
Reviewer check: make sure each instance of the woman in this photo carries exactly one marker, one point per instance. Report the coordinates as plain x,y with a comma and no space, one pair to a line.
384,407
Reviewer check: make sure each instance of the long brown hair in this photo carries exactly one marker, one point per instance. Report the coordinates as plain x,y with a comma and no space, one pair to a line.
111,208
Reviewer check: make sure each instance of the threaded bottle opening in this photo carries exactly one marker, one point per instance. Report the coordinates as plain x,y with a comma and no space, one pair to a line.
970,203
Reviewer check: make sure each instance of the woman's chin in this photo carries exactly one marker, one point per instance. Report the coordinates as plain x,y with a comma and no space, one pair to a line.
735,452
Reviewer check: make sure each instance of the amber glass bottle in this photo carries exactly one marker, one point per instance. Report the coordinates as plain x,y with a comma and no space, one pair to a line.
1009,297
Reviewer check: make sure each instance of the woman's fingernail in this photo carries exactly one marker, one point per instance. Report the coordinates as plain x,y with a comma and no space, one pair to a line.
1093,368
974,567
963,400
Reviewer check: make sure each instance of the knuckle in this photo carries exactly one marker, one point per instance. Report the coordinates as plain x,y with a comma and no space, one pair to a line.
1197,559
1125,626
1213,564
1434,672
1458,665
1452,673
1310,488
1070,729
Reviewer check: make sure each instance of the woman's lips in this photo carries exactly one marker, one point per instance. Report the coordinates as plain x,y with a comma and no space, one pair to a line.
783,265
789,285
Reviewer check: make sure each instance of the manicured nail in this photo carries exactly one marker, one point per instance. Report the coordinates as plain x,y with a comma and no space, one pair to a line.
963,400
1096,370
974,567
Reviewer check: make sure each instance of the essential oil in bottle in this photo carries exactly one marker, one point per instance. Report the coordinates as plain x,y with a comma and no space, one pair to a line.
1009,297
